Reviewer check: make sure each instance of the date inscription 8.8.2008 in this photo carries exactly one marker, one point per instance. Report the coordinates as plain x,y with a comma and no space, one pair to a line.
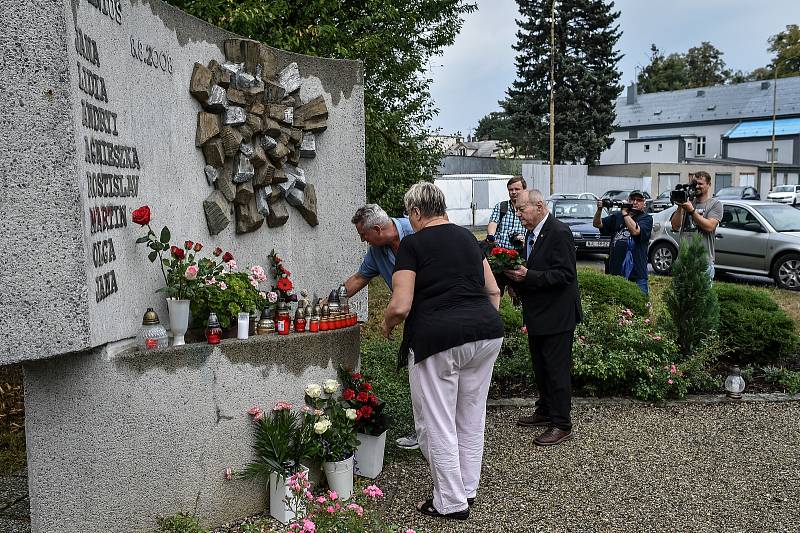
148,55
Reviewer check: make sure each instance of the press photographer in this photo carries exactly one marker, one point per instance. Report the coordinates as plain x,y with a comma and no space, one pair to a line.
629,229
697,212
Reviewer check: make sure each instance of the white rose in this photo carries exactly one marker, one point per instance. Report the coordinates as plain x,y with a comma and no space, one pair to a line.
322,426
313,390
330,386
350,414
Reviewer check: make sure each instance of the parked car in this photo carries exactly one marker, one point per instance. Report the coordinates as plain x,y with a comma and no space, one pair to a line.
785,194
573,195
623,195
753,237
578,214
661,202
737,193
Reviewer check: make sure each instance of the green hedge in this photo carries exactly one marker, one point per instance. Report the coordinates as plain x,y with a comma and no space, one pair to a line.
753,327
612,290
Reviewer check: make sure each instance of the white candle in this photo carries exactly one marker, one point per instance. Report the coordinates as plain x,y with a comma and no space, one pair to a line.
243,325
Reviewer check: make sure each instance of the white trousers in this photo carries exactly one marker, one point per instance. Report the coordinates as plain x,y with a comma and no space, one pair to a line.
448,393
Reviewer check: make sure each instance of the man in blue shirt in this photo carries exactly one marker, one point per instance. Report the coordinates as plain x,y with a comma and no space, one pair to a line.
383,234
629,229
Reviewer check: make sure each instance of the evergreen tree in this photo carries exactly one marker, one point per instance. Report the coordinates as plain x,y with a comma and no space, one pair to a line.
586,79
394,38
690,300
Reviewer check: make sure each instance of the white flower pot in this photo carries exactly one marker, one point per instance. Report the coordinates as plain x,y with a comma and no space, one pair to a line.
369,455
178,319
340,476
282,504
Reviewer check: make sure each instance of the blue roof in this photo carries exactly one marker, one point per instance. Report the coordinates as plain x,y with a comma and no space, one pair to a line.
763,128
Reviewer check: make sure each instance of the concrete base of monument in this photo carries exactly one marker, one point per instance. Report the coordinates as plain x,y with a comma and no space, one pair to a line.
116,436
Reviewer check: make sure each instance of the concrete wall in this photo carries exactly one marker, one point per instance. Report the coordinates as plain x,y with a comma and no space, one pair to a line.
615,154
757,150
455,164
653,151
121,436
47,227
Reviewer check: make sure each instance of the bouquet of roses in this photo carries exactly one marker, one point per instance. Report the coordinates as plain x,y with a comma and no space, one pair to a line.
504,259
283,284
359,393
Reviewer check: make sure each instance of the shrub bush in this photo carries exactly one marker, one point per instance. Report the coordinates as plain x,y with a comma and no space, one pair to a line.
612,290
756,330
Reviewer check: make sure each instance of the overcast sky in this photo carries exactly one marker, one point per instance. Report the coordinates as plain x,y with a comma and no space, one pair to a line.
475,72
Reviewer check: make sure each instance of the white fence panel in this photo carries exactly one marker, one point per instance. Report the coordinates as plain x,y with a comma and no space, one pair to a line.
458,196
576,179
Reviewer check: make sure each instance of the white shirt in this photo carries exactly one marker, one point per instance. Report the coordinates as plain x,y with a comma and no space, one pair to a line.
533,236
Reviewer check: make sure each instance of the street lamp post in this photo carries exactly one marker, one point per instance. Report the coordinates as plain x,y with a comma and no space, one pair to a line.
552,94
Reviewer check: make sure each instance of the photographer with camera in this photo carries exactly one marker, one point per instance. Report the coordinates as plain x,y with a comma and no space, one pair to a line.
629,229
505,229
697,211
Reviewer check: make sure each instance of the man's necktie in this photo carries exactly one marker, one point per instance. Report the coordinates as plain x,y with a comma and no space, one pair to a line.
530,240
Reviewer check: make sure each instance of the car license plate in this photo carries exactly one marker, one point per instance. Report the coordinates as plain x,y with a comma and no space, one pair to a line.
596,244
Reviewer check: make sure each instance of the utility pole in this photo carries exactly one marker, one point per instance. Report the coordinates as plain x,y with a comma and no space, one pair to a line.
774,112
552,94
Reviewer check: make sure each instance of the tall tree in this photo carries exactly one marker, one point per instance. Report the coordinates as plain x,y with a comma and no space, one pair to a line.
586,79
394,38
705,66
663,73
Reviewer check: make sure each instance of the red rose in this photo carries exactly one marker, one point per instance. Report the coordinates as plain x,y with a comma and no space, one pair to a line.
188,245
177,252
277,260
217,251
373,400
513,254
141,216
497,250
364,412
348,394
356,375
366,386
362,397
198,247
285,284
227,257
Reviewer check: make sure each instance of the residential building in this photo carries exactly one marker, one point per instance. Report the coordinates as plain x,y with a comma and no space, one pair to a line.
727,125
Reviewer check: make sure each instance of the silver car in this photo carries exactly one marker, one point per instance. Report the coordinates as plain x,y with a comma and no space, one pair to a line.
753,237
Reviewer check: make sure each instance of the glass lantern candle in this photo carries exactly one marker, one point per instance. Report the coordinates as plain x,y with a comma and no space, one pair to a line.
152,334
242,325
734,384
213,331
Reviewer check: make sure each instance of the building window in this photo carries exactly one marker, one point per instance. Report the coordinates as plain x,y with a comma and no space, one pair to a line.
701,146
462,151
660,147
772,155
688,146
646,147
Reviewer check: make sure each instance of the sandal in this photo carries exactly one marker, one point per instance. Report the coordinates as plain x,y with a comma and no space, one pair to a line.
428,509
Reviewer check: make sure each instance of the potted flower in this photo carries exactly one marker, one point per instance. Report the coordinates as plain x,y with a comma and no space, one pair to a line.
229,291
282,440
371,422
336,435
184,271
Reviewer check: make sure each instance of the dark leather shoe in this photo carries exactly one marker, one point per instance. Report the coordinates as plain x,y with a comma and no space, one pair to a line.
534,420
552,436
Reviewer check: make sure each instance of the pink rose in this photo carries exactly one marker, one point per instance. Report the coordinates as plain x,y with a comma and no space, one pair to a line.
228,473
191,272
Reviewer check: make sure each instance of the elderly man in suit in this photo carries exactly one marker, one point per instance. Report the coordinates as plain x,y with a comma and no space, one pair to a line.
548,287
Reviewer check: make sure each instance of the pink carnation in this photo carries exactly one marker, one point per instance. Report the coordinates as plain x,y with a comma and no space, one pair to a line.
254,410
321,499
332,495
282,406
357,508
330,509
373,491
308,526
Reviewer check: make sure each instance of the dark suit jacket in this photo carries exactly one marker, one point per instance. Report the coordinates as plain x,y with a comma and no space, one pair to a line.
549,293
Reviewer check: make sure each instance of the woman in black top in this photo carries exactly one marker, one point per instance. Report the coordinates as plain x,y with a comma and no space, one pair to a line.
448,297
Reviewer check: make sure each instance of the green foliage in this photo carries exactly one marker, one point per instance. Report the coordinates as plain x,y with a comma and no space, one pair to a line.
335,430
612,290
701,66
692,304
281,436
586,79
361,395
790,379
755,328
395,40
12,452
239,296
180,523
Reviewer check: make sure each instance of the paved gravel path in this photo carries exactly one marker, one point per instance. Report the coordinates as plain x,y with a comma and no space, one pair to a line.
692,467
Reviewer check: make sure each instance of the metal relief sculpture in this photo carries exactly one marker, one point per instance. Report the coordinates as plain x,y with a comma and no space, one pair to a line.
253,131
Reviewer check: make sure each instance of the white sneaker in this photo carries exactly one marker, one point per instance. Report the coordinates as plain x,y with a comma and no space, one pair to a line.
408,443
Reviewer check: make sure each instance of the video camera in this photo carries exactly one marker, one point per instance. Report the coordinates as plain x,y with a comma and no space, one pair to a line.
608,203
683,193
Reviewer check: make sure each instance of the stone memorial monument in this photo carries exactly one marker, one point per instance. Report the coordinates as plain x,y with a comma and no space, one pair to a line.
231,143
